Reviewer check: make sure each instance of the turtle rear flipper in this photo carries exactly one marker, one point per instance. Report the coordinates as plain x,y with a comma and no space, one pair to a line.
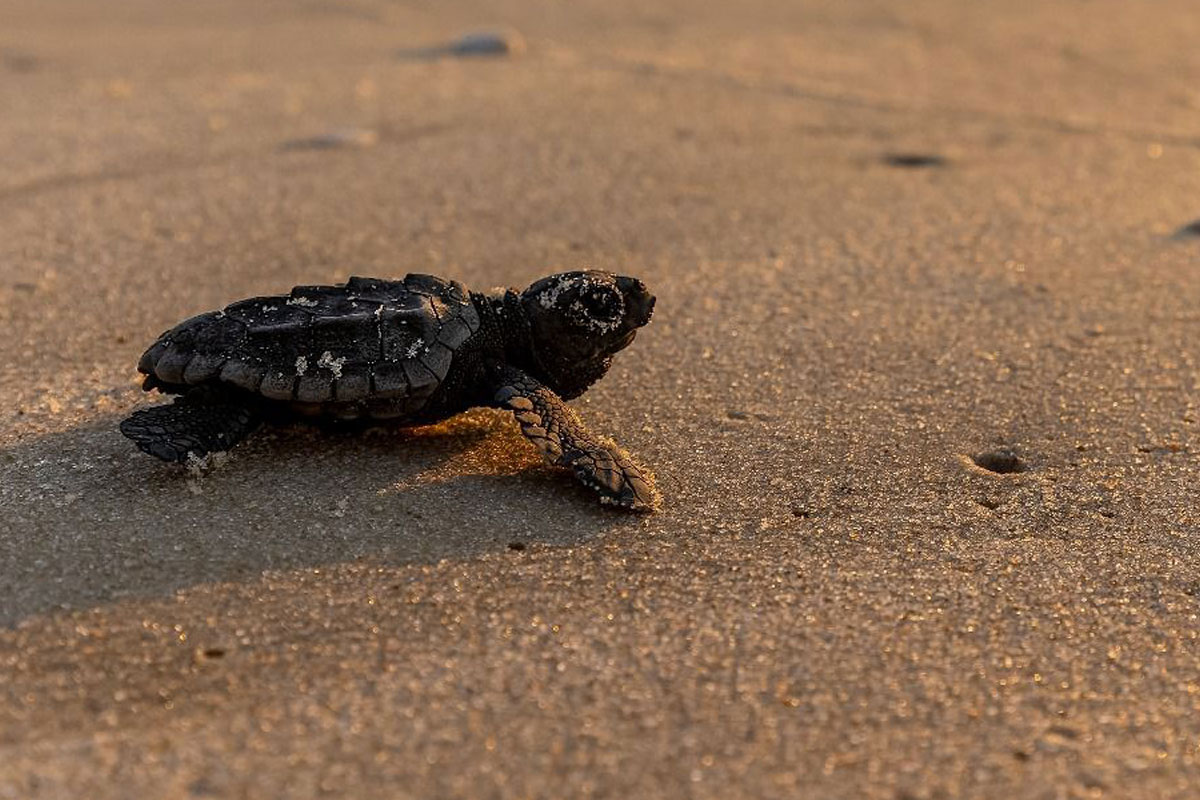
198,423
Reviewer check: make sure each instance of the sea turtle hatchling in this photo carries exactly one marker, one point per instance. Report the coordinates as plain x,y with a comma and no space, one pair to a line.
410,352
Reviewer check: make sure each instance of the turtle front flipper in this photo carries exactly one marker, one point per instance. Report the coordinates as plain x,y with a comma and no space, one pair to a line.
200,422
561,438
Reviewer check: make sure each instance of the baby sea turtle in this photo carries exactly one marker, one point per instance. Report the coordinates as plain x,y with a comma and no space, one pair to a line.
410,352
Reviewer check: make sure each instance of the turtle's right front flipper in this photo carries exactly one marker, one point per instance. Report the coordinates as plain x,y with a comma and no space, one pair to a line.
561,438
200,422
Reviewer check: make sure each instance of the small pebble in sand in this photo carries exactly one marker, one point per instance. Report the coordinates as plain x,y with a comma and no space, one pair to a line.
488,43
485,43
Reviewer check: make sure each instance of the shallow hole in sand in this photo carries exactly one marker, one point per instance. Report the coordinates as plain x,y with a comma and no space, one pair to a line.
516,547
914,160
1192,229
1002,461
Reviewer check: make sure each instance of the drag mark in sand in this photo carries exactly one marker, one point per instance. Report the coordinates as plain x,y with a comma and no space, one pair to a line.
886,105
351,138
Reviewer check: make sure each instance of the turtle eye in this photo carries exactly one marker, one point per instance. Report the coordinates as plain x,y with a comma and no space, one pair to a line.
603,304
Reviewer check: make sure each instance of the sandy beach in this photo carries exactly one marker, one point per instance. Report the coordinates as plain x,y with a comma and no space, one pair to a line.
888,241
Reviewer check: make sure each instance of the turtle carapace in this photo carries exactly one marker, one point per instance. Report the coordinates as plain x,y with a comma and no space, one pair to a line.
410,352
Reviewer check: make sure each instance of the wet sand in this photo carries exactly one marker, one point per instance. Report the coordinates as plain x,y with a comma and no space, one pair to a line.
885,238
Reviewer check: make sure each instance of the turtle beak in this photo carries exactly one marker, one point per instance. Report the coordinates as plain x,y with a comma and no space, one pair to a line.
638,300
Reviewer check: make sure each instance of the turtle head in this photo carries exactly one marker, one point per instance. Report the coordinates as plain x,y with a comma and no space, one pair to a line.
578,321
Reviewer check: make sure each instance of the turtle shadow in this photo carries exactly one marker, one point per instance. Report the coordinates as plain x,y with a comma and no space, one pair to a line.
89,519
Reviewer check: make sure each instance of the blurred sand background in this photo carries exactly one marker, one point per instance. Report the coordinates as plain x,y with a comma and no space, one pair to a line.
834,602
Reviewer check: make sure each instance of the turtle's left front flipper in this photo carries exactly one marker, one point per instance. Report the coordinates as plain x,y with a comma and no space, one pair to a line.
561,438
200,422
